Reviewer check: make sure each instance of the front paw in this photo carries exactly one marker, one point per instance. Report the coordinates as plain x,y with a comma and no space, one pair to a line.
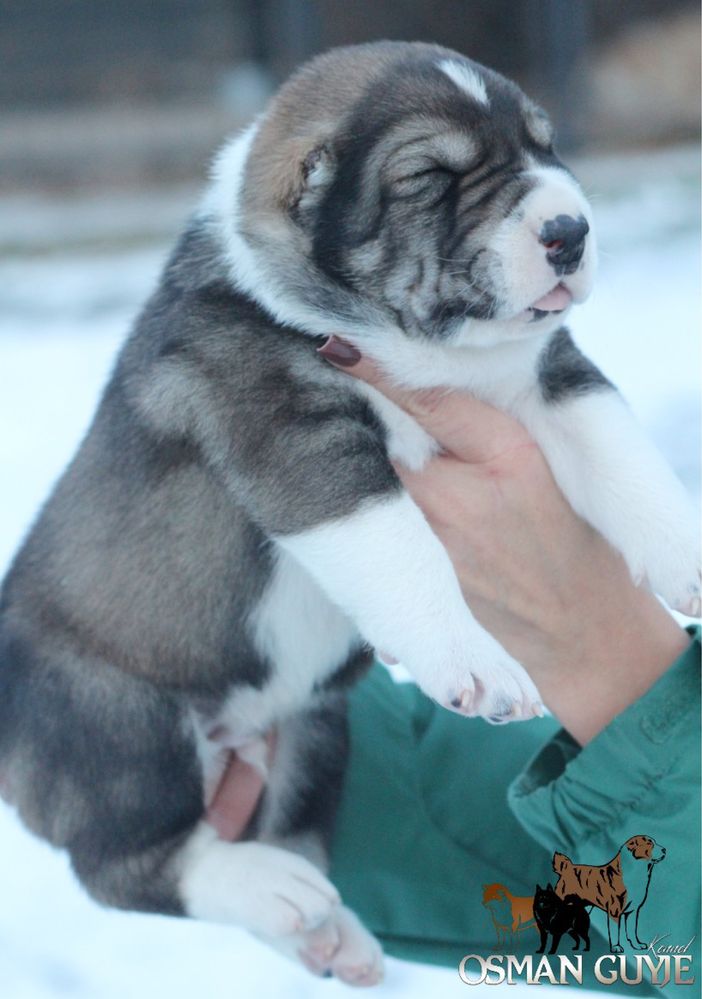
685,599
482,680
660,542
674,572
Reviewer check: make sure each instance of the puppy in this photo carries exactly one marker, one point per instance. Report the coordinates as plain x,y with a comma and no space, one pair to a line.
619,888
231,539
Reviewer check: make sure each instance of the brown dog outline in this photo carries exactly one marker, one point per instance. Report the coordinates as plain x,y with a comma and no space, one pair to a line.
511,914
619,887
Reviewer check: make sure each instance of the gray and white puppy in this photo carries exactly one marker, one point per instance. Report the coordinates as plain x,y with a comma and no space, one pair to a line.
231,537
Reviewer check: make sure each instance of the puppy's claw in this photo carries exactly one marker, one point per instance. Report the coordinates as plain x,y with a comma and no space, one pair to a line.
504,719
693,607
463,702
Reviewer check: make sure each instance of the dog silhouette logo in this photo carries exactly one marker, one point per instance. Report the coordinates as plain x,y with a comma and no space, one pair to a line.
619,888
510,914
555,916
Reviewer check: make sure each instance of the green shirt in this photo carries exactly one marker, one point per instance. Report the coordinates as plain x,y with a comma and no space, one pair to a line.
436,806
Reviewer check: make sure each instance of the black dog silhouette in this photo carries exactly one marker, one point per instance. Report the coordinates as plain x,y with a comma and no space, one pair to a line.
557,916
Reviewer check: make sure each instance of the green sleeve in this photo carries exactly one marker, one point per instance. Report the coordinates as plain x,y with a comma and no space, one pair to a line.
641,775
426,820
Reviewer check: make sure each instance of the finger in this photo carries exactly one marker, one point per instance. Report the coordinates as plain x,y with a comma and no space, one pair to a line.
463,425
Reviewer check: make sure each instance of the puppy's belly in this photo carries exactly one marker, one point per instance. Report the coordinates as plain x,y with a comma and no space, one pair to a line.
303,637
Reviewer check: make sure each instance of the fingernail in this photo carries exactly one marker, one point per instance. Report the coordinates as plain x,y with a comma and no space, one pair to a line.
538,709
340,352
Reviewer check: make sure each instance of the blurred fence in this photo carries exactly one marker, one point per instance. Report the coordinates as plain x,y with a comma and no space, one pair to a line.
96,91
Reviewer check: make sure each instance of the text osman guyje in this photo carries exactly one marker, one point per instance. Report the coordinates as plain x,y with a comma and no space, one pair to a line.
610,969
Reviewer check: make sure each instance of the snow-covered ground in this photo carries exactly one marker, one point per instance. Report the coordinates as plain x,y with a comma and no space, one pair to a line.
63,317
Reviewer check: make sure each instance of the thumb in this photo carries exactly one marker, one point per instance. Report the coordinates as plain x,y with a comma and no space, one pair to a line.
461,424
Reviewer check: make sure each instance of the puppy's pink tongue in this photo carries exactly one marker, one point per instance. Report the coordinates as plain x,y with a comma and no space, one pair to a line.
555,301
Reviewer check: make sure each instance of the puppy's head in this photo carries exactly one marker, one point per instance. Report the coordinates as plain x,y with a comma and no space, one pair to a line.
404,185
645,848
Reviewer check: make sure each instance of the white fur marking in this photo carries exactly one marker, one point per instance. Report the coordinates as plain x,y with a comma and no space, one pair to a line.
466,79
388,571
615,478
254,885
302,635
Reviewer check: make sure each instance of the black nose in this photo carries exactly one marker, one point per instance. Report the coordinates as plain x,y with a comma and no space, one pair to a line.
564,239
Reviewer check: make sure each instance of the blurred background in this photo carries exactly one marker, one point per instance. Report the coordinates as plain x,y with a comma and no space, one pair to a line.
110,113
123,92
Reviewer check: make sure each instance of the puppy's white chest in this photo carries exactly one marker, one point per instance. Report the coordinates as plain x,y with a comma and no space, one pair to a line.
497,376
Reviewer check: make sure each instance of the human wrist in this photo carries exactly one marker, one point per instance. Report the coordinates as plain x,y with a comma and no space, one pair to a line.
610,659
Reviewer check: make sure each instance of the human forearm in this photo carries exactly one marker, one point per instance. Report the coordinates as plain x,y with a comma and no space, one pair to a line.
601,656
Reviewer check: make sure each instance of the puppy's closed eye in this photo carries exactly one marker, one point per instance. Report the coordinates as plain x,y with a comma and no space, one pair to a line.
421,182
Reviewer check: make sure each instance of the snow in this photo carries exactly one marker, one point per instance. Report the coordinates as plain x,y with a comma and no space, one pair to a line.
64,314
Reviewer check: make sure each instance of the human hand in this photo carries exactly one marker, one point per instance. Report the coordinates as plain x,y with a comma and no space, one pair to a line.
536,576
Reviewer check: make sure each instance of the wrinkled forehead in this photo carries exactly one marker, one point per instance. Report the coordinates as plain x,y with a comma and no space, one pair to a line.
370,86
393,95
447,103
449,83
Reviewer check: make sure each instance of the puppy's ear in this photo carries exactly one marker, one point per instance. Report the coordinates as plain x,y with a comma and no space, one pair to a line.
317,170
293,175
314,174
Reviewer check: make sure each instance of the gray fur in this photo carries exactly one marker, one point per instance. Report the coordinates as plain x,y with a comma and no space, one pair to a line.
129,602
564,371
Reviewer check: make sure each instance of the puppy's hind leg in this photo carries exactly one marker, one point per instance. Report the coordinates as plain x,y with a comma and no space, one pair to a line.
302,796
122,791
102,764
341,947
270,891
